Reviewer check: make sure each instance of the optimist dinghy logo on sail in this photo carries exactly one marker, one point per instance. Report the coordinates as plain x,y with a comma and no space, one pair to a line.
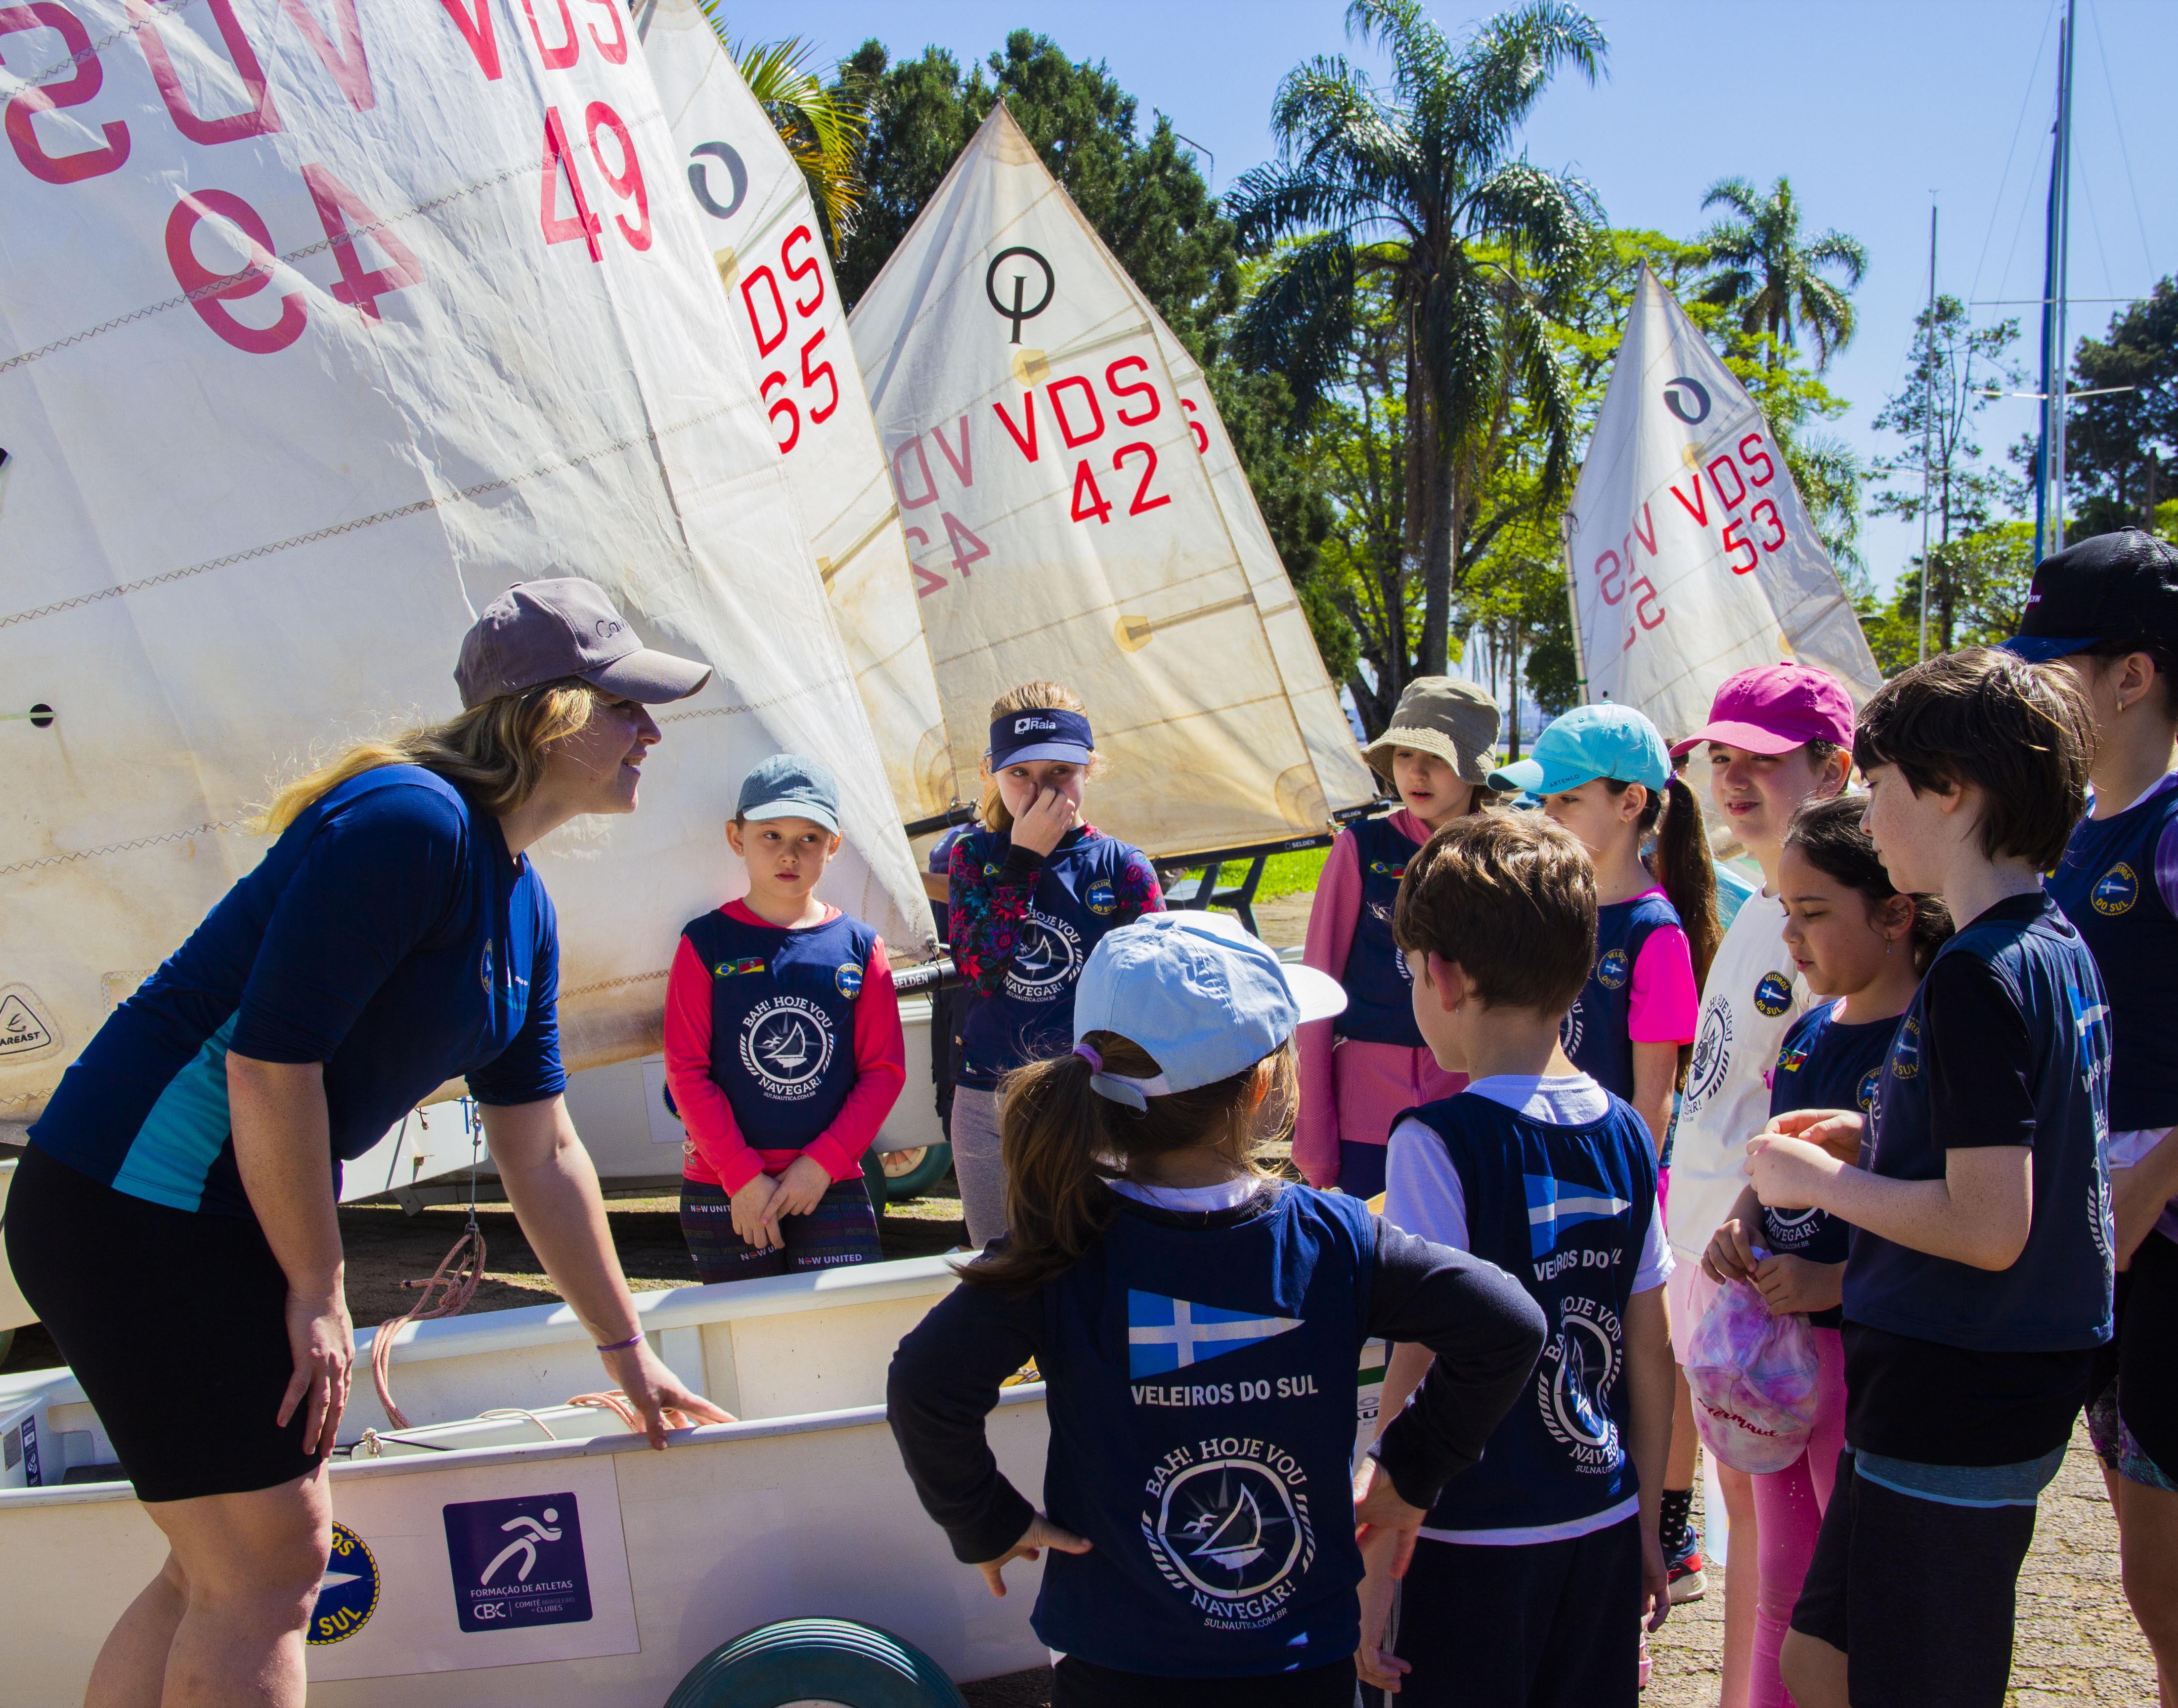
347,1593
1019,312
517,1563
785,1043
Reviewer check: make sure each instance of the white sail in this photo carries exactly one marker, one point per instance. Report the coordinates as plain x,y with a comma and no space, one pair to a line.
1690,553
319,325
753,205
1061,514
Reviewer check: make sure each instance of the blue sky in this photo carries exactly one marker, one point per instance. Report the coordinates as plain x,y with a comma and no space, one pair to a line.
1868,105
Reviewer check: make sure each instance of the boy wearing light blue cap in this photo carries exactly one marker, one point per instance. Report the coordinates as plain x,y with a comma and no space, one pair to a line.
1199,1323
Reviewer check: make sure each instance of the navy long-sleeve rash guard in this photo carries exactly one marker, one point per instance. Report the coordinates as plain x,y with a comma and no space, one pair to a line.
388,934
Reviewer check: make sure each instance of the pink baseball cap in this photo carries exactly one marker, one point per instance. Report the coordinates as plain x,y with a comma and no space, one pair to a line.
1773,708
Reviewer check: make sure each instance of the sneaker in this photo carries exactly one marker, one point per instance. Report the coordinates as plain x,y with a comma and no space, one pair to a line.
1685,1573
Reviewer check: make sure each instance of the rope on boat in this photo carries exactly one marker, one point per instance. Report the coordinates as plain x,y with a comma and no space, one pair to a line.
452,1284
620,1405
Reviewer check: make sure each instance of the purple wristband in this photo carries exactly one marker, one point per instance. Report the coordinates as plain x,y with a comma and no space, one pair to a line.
622,1346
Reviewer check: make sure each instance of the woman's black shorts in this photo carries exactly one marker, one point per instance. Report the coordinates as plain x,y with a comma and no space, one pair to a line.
174,1322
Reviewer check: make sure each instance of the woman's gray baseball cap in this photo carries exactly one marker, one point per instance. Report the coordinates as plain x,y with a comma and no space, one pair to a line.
545,631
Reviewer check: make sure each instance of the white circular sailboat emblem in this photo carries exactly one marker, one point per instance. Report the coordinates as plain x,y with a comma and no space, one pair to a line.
1047,961
1229,1528
786,1044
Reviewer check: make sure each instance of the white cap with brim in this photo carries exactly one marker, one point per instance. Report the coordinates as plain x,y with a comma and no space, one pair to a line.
1201,994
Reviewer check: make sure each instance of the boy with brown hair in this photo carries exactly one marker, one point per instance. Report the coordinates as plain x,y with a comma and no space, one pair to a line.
1978,1285
1549,1545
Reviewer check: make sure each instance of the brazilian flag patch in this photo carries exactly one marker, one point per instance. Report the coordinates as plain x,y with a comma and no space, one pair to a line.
747,963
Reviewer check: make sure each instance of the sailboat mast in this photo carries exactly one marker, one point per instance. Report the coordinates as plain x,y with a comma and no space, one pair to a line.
2050,489
1928,422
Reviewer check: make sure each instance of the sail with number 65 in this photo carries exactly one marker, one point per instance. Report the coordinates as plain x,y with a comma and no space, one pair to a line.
1074,512
1690,552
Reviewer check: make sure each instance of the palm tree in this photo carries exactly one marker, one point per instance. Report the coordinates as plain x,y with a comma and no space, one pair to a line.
1770,276
1414,184
823,127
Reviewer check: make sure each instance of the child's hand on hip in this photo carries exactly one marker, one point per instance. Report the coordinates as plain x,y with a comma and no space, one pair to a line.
1377,1667
798,1191
1041,1534
1790,1174
748,1206
1044,825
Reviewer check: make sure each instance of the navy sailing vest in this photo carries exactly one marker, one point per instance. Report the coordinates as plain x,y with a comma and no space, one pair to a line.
783,1021
1031,1015
1202,1407
1565,1209
1824,1064
2056,1297
2106,885
1379,988
1594,1032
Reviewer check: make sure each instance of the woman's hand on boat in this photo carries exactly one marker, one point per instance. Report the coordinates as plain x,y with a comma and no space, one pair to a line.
322,1341
748,1206
653,1391
1041,1534
1045,824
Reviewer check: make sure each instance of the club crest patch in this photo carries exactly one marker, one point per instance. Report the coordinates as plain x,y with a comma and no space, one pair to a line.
347,1593
2115,891
1613,970
847,979
1773,996
1865,1095
1905,1050
1101,898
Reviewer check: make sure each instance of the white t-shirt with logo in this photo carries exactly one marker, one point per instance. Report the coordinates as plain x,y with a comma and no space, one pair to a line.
1751,997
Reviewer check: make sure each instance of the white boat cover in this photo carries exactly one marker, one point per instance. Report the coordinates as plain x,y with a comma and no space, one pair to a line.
753,203
1062,496
1690,553
319,325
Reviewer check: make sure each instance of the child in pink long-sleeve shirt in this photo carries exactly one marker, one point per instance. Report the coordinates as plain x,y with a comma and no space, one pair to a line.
1360,1071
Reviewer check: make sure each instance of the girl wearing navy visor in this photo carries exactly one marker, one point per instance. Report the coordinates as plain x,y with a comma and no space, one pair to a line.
394,937
1034,888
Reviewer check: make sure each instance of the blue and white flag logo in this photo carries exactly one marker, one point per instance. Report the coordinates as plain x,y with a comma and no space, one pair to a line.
1167,1334
1557,1205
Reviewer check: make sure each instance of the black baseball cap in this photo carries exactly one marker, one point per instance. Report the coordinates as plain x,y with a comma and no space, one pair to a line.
2114,587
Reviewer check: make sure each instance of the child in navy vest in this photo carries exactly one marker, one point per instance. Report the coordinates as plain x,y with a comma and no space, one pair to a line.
1862,947
1978,1286
1198,1325
1033,889
1534,1572
783,1048
1358,1071
1631,1027
2108,608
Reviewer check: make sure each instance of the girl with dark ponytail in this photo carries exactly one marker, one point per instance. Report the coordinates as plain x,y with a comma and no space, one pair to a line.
1198,1324
1603,773
1862,946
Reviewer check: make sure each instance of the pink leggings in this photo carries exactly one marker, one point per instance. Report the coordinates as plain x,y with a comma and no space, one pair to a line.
1788,1512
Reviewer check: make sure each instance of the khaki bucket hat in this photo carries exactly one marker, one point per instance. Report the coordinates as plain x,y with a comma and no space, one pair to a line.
1453,720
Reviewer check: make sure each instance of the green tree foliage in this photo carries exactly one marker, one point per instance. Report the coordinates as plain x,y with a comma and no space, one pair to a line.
1977,586
822,125
1771,277
1413,186
1957,368
2121,449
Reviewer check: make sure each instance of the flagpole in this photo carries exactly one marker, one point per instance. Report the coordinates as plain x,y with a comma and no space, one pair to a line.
1928,421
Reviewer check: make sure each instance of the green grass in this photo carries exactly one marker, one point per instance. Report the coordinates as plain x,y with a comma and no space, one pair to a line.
1287,874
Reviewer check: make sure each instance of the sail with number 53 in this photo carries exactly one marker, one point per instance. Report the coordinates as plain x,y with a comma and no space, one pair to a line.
751,201
314,337
1690,552
1073,511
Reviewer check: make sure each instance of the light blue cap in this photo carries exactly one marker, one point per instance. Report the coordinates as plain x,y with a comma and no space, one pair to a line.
1586,743
1199,994
788,786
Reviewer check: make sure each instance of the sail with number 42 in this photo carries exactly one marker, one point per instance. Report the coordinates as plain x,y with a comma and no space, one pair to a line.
753,202
320,325
1690,553
1075,513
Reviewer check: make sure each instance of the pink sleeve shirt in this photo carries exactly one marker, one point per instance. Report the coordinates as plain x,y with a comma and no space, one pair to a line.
1331,921
1664,1004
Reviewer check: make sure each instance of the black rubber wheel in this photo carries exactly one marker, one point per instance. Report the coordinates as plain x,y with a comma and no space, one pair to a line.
937,1159
823,1660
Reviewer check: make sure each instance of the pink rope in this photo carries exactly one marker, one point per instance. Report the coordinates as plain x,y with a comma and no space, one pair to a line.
453,1292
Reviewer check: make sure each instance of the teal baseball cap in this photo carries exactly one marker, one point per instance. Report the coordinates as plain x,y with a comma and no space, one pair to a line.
788,786
1586,743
